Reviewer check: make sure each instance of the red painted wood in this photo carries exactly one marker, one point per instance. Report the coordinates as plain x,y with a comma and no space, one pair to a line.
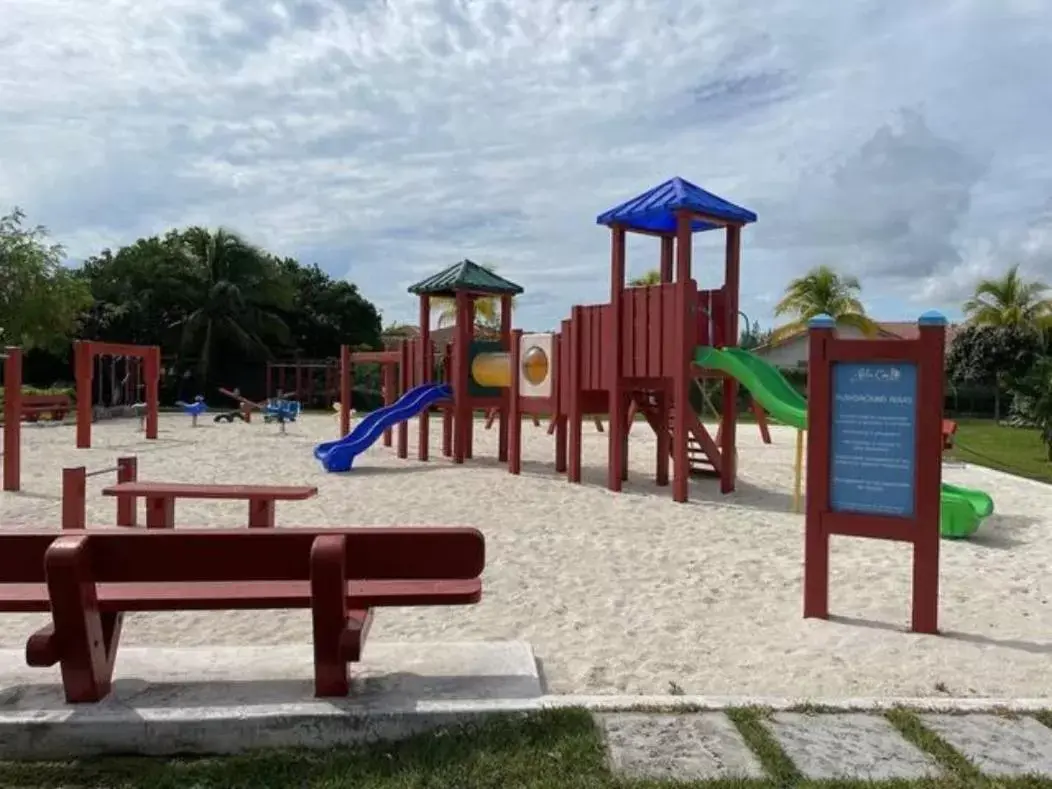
245,595
187,490
84,353
405,371
613,356
328,579
922,530
88,645
558,398
513,452
508,343
574,406
425,362
12,459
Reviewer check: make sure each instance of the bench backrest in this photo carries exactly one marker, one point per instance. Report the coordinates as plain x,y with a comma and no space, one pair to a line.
44,400
124,556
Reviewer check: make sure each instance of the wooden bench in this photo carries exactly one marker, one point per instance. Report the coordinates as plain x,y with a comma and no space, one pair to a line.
36,406
89,579
161,496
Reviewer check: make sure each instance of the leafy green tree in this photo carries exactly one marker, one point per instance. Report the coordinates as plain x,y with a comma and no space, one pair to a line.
646,279
141,292
994,356
41,301
326,313
1033,403
239,292
822,291
1010,300
752,336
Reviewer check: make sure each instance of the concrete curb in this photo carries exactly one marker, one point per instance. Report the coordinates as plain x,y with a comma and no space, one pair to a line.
113,729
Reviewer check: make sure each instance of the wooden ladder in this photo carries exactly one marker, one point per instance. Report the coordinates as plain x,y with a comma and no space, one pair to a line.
699,461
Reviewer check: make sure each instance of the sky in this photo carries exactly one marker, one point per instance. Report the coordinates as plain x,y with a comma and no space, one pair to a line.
907,143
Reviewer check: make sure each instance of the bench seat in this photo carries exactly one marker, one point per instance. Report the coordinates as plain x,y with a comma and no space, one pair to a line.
247,595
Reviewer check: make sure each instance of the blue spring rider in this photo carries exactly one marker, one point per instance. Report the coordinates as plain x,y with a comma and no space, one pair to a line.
280,410
194,409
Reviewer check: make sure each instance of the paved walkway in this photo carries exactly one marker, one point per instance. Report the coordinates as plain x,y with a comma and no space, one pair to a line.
825,745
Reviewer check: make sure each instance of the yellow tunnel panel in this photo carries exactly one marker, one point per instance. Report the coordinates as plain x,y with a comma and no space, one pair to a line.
492,369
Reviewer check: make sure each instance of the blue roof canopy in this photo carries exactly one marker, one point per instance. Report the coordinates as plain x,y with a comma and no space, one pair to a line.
655,211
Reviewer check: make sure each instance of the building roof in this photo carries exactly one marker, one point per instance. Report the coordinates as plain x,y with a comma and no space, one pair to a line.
655,210
466,276
895,330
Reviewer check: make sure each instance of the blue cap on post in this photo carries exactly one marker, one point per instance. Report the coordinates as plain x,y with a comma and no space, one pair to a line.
932,318
821,322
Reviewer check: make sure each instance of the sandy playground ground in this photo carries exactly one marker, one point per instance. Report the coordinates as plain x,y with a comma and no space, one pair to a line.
626,593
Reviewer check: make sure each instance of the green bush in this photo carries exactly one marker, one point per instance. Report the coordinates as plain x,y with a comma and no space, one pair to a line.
69,391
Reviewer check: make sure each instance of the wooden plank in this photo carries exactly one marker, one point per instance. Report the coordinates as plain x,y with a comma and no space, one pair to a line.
234,555
247,595
184,490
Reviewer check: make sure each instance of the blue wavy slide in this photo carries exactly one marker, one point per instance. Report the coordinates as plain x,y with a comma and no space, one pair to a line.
339,455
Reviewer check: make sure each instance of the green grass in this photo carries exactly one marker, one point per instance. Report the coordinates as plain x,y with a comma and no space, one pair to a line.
556,749
1016,450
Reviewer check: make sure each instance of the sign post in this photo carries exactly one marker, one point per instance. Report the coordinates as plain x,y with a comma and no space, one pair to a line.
874,455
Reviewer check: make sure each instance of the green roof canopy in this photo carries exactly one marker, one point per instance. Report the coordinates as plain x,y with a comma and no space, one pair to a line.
465,277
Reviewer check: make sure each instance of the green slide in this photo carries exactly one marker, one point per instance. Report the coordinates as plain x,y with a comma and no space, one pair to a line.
963,509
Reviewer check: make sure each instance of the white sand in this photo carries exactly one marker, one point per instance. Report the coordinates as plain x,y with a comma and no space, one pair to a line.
626,593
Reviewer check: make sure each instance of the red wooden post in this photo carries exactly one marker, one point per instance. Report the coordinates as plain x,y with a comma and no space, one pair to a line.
816,538
152,368
729,416
558,400
574,411
927,538
346,389
328,584
83,357
667,247
512,417
13,419
902,380
447,410
611,356
127,471
405,369
424,366
507,343
469,421
461,375
682,354
661,415
389,387
74,497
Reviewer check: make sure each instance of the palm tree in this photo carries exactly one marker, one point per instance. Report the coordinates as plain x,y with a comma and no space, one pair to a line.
238,292
1010,301
487,310
646,279
821,291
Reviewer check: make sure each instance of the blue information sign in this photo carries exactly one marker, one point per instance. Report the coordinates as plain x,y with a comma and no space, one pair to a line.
873,444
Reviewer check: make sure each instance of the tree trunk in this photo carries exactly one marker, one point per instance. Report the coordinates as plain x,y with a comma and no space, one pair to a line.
997,403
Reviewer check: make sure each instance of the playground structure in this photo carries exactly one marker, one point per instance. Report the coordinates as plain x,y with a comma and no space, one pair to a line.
144,372
632,354
640,353
301,376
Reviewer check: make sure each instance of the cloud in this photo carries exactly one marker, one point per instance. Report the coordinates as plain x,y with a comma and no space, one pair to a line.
386,139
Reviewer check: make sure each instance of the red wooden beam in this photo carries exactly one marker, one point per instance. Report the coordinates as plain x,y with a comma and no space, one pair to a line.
12,418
